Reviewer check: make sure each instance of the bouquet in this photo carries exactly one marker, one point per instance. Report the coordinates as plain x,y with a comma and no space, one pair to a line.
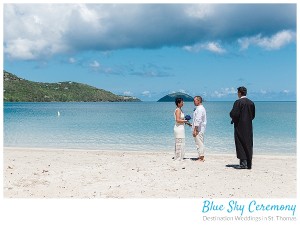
188,117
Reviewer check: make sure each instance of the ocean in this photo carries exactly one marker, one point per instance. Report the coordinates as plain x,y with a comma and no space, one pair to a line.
142,126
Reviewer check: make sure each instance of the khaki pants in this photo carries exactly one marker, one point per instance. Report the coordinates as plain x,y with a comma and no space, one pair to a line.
199,140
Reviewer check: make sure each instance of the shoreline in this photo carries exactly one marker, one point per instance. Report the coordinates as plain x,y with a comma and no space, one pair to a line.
272,154
73,173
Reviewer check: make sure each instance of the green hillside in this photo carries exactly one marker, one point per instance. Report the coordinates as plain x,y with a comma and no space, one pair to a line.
172,97
20,90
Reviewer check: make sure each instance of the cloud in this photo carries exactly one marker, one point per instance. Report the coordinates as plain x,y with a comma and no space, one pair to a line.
284,95
128,93
224,92
286,91
210,46
146,93
274,42
183,91
149,70
95,64
36,31
261,95
33,31
72,60
215,47
263,92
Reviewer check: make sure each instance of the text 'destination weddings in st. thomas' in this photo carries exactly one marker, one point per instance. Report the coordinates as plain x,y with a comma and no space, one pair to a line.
254,210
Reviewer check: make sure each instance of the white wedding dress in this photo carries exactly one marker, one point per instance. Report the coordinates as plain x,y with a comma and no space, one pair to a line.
179,134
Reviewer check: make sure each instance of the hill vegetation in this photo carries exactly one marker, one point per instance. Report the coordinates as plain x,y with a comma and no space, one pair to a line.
172,97
17,89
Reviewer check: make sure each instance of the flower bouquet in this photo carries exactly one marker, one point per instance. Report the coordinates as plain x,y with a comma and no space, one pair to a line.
188,117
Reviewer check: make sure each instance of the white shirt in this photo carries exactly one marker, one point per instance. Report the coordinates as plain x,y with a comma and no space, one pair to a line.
199,118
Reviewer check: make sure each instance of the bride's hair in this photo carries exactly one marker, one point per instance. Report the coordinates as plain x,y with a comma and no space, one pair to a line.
178,100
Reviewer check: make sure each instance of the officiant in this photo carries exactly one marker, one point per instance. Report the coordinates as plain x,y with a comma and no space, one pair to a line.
242,114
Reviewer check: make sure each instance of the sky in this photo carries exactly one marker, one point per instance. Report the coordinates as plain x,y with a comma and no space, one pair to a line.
150,50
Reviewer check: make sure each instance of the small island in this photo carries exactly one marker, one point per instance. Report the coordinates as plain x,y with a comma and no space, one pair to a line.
17,89
173,96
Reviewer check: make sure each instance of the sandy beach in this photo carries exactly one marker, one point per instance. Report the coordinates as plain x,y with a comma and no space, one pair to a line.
44,173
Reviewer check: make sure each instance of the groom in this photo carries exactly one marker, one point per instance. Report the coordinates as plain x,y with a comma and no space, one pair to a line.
198,126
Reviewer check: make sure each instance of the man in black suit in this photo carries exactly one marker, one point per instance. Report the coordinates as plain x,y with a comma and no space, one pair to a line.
242,114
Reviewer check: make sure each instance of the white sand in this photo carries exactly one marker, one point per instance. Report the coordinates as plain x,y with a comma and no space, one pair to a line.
41,173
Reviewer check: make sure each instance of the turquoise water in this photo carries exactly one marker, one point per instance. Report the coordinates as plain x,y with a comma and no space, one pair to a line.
146,126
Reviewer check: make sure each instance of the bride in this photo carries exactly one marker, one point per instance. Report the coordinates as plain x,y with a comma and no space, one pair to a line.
179,131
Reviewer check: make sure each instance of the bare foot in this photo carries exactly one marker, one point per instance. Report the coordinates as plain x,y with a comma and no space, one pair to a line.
201,159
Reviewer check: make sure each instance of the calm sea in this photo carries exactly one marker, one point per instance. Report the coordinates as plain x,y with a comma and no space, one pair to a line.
146,126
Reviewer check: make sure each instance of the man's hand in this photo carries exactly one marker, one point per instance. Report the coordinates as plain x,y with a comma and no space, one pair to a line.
188,123
195,133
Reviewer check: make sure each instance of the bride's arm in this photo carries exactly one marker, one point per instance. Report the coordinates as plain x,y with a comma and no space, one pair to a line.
178,120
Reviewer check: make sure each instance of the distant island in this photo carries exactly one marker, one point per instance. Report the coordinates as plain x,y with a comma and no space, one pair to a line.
17,89
171,97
